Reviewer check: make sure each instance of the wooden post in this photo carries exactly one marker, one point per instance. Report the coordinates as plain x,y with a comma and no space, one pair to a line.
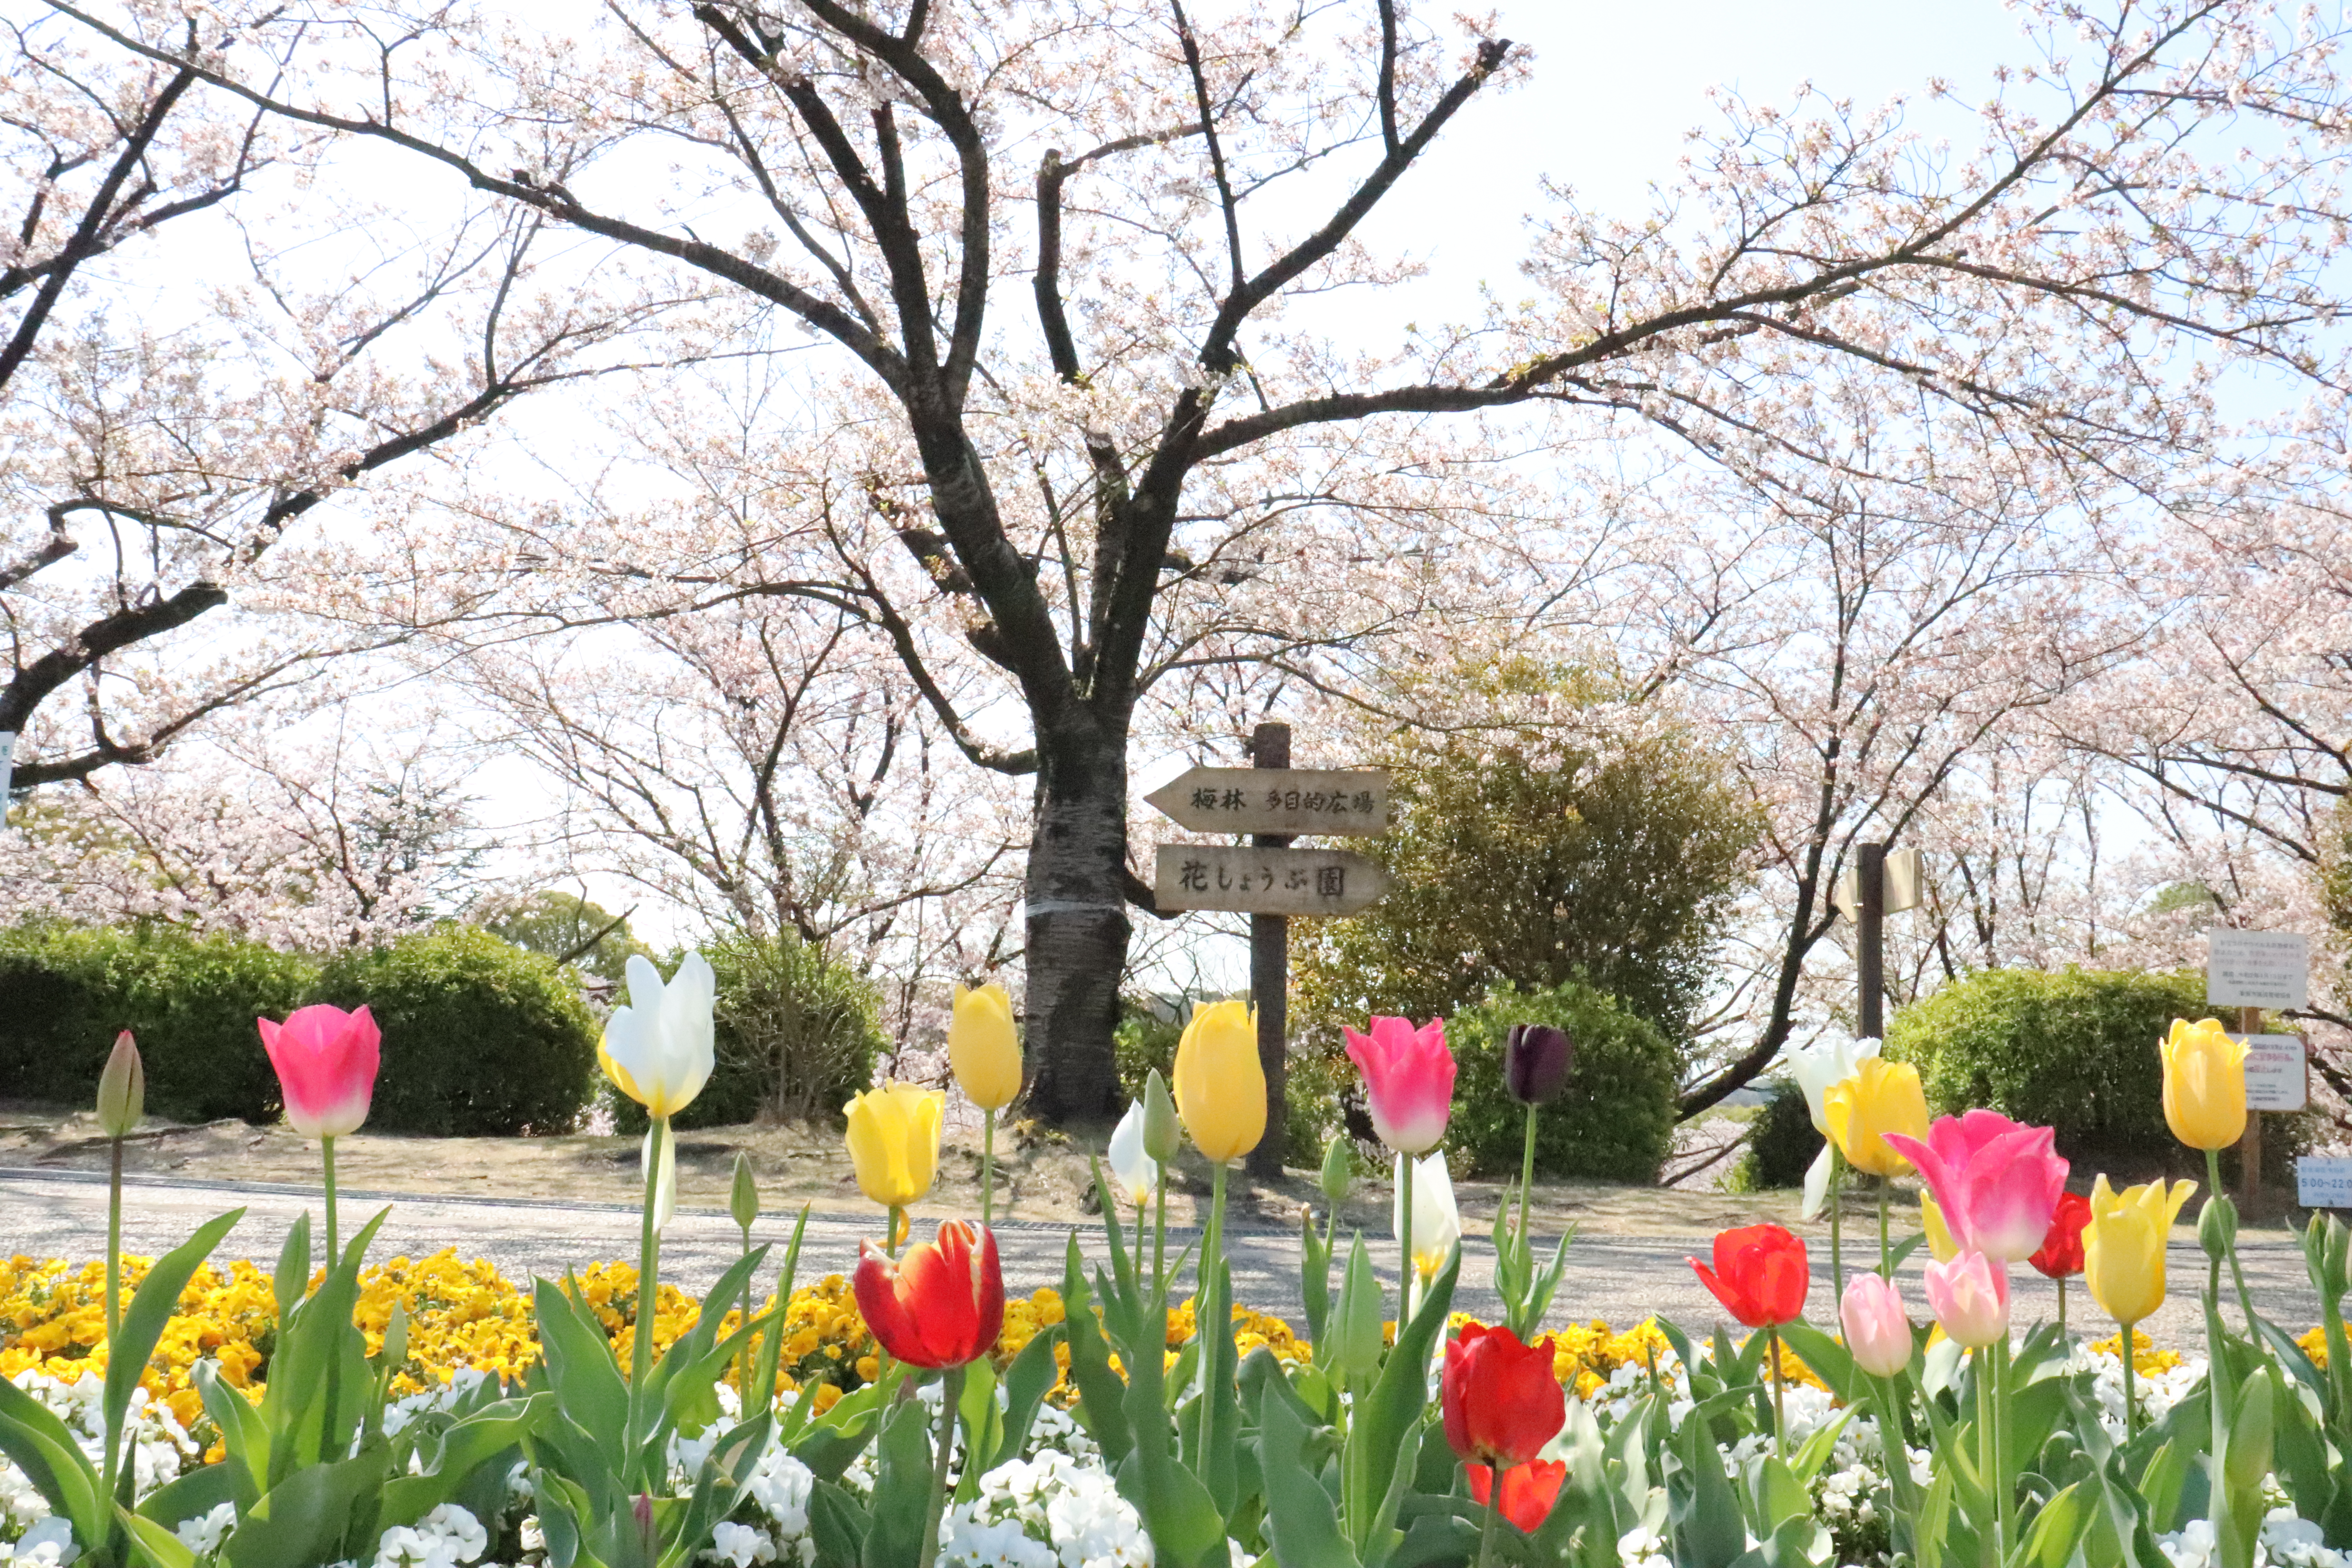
1870,941
1269,747
2250,1147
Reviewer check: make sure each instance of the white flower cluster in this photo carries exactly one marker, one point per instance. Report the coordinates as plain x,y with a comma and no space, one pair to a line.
160,1450
445,1537
399,1413
2286,1542
1052,1511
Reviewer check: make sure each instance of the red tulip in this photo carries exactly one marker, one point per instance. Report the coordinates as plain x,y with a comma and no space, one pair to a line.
1760,1274
326,1061
2062,1249
1502,1403
941,1305
1529,1490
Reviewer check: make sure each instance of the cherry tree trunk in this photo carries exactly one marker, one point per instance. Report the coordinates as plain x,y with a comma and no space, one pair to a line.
1077,928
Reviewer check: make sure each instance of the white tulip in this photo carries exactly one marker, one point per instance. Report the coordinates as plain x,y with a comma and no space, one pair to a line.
1436,1223
1134,1173
1819,1068
658,1047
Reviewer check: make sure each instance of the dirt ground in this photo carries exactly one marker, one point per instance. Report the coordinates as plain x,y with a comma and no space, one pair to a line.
1042,1175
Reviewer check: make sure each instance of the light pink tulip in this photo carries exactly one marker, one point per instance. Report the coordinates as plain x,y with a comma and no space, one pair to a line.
1409,1079
326,1061
1877,1329
1969,1296
1996,1181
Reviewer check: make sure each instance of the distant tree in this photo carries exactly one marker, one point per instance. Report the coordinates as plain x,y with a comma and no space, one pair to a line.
1607,852
572,930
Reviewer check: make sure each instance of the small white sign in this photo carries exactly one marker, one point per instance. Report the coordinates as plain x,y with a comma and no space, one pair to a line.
2278,1076
2323,1183
2257,969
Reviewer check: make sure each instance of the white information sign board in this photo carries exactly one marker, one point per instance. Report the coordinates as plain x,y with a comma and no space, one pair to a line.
2277,1073
2257,969
2323,1183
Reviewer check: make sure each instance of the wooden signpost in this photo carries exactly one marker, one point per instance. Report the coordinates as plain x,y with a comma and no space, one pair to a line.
1270,880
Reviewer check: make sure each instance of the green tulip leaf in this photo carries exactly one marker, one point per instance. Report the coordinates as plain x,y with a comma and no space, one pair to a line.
157,1545
902,1470
1300,1517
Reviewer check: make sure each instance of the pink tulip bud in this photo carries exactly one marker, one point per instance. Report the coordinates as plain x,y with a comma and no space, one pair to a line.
1408,1079
1877,1329
326,1061
1969,1296
1996,1182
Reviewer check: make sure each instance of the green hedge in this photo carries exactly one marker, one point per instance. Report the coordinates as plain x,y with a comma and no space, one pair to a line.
796,1034
1614,1122
2075,1050
1781,1143
480,1036
66,990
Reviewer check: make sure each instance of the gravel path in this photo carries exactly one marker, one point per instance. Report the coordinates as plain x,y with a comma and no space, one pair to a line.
1618,1279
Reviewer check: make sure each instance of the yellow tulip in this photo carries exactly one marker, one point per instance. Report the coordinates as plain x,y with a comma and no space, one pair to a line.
1219,1087
1940,1245
1881,1097
2204,1084
982,1049
2123,1245
893,1141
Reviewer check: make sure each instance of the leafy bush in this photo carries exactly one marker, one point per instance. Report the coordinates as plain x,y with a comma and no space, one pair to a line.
1531,856
1781,1143
480,1038
1615,1120
66,990
796,1033
2076,1050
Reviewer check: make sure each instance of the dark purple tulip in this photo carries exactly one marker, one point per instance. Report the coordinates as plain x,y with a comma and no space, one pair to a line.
1536,1060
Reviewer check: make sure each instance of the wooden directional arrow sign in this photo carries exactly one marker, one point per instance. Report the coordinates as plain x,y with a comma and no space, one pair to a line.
1297,801
1266,881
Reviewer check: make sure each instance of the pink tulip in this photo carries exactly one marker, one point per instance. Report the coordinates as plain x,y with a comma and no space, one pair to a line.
1409,1078
1997,1182
1877,1329
326,1061
1969,1296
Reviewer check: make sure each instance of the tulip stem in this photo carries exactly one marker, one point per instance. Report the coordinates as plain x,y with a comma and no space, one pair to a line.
1780,1418
2062,1306
1494,1510
1206,1299
1404,1241
2004,1490
951,1397
890,1243
326,1153
1527,1181
987,1167
114,1245
1159,1236
2131,1411
2237,1269
1987,1452
1885,1249
641,1345
1837,1218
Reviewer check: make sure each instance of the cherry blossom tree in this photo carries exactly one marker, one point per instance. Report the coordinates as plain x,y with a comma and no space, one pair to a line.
195,355
1060,256
313,828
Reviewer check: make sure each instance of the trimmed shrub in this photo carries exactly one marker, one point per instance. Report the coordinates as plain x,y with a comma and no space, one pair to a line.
66,990
2075,1050
479,1037
1614,1122
1781,1143
796,1035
